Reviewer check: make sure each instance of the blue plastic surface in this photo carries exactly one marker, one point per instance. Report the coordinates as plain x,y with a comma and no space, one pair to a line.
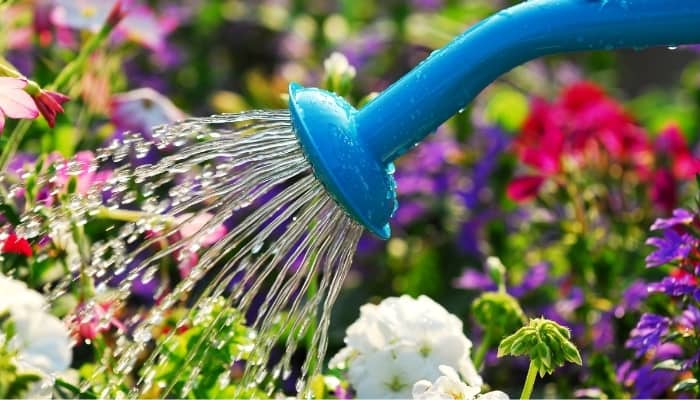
350,150
325,126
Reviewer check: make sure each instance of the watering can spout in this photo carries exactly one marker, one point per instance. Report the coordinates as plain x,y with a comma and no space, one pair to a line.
406,112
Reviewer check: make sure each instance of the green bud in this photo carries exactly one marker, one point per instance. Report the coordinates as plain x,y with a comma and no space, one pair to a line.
498,313
497,271
545,342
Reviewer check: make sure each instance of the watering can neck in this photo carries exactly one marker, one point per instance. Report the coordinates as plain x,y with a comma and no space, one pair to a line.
351,151
403,114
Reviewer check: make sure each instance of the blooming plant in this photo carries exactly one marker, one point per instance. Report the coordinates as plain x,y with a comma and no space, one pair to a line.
400,341
521,245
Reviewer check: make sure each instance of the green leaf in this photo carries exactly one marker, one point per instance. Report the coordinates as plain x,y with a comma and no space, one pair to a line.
671,365
686,385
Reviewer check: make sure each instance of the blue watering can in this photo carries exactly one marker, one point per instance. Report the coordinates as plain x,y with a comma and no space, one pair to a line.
351,151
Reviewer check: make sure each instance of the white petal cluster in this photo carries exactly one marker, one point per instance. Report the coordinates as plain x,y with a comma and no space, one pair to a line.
400,341
450,387
42,340
337,65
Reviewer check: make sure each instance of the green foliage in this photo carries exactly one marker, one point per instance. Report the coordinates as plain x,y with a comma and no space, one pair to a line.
219,334
545,342
507,108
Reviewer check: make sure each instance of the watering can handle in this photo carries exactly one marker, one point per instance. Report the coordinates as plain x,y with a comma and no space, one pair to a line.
449,79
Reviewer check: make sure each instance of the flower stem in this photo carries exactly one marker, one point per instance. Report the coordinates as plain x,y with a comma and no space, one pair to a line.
481,351
529,382
12,143
117,214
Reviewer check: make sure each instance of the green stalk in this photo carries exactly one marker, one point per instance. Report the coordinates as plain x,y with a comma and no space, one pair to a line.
69,72
481,351
529,382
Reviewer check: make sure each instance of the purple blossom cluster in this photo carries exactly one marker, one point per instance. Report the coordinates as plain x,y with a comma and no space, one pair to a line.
666,341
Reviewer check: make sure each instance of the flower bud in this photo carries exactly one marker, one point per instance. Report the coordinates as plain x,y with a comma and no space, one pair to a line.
498,313
497,271
546,343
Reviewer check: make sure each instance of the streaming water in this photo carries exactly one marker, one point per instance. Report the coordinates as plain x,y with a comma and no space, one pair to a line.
285,254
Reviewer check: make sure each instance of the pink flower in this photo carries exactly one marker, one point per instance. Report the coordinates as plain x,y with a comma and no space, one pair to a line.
50,104
14,101
89,321
81,166
190,228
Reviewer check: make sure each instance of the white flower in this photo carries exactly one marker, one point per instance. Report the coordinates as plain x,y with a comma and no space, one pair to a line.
337,65
81,14
42,340
400,341
450,387
62,238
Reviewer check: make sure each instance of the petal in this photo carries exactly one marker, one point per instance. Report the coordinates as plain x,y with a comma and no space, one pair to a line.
524,188
16,103
8,83
2,121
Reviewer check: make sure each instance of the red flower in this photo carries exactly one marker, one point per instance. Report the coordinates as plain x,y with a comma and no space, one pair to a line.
116,14
523,188
584,127
676,163
50,104
17,245
672,144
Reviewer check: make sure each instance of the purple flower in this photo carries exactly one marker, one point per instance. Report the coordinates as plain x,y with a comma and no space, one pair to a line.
652,383
632,298
648,333
668,351
690,318
142,109
409,210
473,279
646,381
680,217
603,331
533,279
672,247
676,286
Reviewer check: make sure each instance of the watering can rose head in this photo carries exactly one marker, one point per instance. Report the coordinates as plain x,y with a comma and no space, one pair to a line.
354,176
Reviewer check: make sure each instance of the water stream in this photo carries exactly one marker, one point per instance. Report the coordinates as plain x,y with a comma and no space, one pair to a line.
286,251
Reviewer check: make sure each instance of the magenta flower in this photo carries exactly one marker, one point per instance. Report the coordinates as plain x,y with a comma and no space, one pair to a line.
50,105
92,319
84,171
190,227
14,101
579,127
